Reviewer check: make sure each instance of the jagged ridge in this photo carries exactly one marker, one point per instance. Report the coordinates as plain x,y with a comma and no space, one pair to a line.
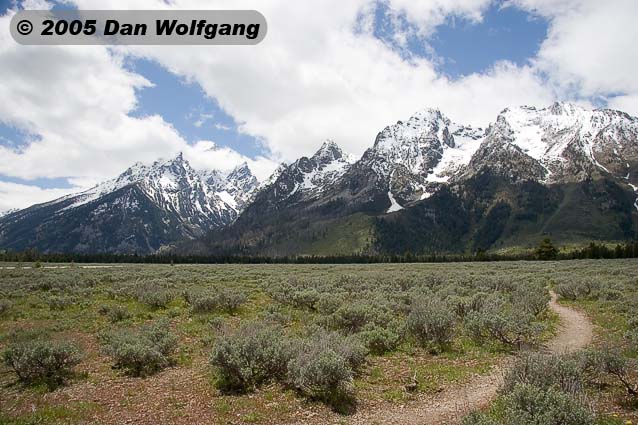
427,162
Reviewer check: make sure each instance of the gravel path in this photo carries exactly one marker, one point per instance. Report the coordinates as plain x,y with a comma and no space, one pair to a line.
575,332
447,407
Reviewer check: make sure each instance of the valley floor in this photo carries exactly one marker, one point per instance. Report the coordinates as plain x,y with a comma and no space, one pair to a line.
412,379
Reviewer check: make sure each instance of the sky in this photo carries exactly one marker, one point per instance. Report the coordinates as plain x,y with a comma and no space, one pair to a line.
73,116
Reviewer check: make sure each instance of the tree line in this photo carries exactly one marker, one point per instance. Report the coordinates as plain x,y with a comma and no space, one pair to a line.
545,251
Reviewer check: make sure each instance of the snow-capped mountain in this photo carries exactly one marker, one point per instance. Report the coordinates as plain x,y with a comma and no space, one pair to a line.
431,183
236,189
173,186
425,183
241,185
143,209
308,177
559,144
409,160
426,141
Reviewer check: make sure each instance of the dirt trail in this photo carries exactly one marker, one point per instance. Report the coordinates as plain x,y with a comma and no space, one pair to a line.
575,332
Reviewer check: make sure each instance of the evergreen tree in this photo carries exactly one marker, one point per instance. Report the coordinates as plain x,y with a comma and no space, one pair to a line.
546,250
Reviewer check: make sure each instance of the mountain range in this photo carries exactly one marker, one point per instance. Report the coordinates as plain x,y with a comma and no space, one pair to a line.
426,184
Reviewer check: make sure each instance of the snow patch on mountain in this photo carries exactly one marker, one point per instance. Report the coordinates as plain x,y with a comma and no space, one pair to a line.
466,141
394,205
634,188
7,212
310,177
553,135
331,163
416,144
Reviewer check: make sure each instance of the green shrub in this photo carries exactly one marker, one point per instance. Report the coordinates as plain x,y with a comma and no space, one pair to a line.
530,405
57,302
142,352
577,289
306,299
5,305
431,323
479,418
351,348
42,361
118,313
322,373
352,317
323,367
632,331
379,340
277,317
203,302
251,355
502,322
611,363
228,300
463,305
115,313
458,304
531,298
328,303
154,297
610,294
217,323
562,373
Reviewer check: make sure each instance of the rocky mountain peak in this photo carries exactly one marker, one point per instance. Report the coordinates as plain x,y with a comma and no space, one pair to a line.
241,172
429,115
328,152
565,108
415,147
563,142
420,128
407,166
177,164
242,168
242,178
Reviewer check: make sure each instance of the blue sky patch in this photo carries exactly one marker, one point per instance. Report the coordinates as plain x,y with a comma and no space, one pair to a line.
5,5
458,47
14,138
185,105
46,183
506,33
461,47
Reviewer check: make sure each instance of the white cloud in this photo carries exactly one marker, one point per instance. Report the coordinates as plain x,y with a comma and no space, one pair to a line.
202,118
205,154
76,100
626,103
14,195
313,77
35,4
590,48
429,14
219,126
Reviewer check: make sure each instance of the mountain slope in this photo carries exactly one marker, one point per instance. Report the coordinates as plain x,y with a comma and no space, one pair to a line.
562,171
429,184
290,213
406,163
559,144
425,185
142,210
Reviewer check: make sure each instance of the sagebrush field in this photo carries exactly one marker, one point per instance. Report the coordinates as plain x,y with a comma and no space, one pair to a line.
316,343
